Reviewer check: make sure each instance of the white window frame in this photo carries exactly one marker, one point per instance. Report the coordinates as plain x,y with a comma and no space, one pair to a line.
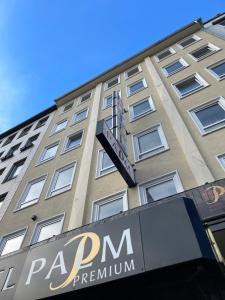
65,150
104,106
52,192
76,113
221,159
130,69
194,36
44,223
181,60
209,69
131,111
164,146
14,234
108,81
199,79
157,180
97,204
58,123
99,170
210,45
63,107
221,101
79,102
172,52
41,160
26,191
129,94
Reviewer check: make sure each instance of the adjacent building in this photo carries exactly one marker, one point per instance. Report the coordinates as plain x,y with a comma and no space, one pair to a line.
173,94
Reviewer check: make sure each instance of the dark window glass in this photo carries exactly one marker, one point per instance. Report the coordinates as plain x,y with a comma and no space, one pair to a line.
41,122
9,139
211,115
187,42
85,97
164,54
15,170
219,70
113,82
202,52
174,67
188,86
132,72
25,131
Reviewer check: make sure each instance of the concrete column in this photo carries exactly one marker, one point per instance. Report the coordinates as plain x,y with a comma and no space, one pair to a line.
77,211
195,160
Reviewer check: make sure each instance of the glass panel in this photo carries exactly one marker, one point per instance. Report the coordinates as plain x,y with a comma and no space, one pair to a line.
85,97
219,70
132,71
106,161
60,126
161,190
135,87
174,67
187,42
141,108
211,115
50,152
17,170
108,101
74,141
113,82
188,86
48,231
68,106
33,193
149,141
110,208
109,122
80,116
164,54
64,178
202,52
12,244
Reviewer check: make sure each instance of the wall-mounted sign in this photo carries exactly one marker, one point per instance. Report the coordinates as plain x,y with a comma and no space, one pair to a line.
145,240
115,152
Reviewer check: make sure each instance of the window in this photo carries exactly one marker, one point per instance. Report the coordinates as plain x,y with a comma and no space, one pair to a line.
85,97
60,126
109,206
221,159
188,41
30,142
25,131
11,152
175,67
79,116
32,192
149,142
12,242
164,54
2,171
15,170
210,116
136,87
49,152
67,106
41,122
107,101
108,121
189,85
112,82
133,71
9,140
73,141
141,108
161,187
218,69
104,165
1,153
62,180
48,229
2,198
204,51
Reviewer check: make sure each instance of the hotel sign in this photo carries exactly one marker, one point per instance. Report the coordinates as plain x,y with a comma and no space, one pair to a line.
99,253
115,152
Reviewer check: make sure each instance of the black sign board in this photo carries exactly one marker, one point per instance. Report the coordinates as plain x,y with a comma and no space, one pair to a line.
147,239
115,152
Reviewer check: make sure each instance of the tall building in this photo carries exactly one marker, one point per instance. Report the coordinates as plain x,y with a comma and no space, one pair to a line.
173,96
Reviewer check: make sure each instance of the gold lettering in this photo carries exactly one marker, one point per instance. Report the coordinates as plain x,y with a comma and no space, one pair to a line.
79,260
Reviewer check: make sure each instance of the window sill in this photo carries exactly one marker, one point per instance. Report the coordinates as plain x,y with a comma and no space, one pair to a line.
152,155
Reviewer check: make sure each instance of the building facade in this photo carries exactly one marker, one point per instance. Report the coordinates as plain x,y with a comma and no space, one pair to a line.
173,94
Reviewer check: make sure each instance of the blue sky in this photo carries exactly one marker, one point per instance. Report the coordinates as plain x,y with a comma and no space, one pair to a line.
48,47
